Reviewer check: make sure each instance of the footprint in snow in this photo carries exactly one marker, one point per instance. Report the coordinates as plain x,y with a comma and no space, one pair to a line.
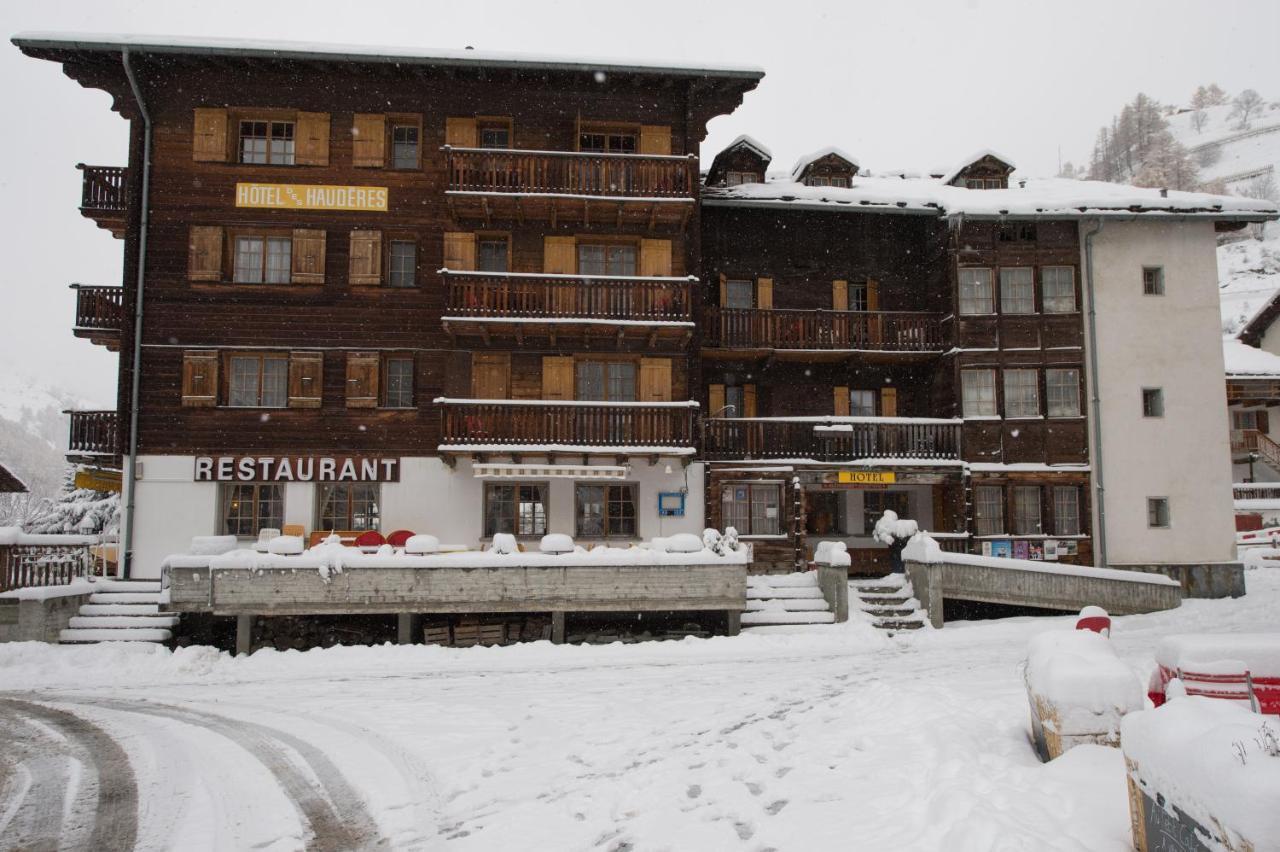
754,789
745,831
773,808
694,791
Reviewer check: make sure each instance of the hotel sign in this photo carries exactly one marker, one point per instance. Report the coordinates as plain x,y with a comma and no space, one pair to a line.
867,477
296,469
295,196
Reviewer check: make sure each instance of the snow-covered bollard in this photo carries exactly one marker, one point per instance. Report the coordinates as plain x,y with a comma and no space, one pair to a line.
286,545
1202,774
832,560
1094,618
556,543
1079,691
504,543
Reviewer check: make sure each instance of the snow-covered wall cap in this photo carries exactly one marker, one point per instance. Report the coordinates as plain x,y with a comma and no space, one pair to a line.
955,170
808,159
320,51
748,142
1242,360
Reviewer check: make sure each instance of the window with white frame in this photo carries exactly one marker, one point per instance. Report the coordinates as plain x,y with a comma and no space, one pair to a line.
1026,510
753,508
978,388
398,386
404,263
517,508
975,291
1058,289
1017,290
739,294
862,403
266,142
1066,510
1021,393
606,381
258,381
1062,392
263,260
988,510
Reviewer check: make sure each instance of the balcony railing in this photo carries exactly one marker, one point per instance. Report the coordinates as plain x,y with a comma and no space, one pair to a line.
760,328
514,295
99,308
532,423
94,433
485,170
1256,491
103,188
831,438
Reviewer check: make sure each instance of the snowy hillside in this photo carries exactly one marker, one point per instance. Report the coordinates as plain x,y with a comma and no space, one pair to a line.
1248,276
33,432
1223,151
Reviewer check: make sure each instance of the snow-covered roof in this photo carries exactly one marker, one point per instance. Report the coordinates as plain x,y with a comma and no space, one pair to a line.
1054,198
748,142
809,159
10,482
194,45
1244,361
955,170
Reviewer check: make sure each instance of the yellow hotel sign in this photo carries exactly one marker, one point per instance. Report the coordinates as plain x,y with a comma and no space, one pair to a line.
294,196
867,477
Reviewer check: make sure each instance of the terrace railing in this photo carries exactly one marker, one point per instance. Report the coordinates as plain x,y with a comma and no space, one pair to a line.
831,438
761,328
486,170
471,423
515,295
103,188
94,433
99,308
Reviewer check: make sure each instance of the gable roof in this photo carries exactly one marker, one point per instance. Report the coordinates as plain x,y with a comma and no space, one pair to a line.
809,159
1256,328
745,141
10,483
954,171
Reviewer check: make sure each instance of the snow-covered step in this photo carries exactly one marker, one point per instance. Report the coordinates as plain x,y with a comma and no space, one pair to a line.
122,634
120,609
782,581
124,598
781,617
795,592
115,622
788,604
889,602
127,585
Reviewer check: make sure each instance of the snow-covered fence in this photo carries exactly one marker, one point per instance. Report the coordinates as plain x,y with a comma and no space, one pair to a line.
42,560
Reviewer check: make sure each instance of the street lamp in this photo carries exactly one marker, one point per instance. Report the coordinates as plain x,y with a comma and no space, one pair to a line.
1253,457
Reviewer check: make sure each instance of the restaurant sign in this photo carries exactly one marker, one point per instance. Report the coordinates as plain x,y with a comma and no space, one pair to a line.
296,469
294,196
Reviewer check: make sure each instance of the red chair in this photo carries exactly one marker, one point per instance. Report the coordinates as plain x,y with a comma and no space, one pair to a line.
371,539
399,537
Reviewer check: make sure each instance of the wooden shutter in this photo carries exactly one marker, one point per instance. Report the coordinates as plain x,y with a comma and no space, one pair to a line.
724,291
841,399
308,256
764,294
461,133
459,251
655,139
655,257
369,140
311,145
362,379
655,380
209,139
200,378
366,258
204,253
306,375
1263,423
748,401
557,377
560,255
491,375
873,294
888,402
839,295
715,400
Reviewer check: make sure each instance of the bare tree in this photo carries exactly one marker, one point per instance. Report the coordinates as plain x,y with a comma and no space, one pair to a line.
1245,108
1198,119
1215,96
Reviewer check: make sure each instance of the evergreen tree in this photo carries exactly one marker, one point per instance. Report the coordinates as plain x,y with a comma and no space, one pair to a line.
78,511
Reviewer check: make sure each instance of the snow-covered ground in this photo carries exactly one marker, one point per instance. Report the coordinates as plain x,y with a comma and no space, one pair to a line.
797,739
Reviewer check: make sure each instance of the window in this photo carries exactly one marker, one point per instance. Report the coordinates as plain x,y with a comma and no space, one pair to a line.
862,403
495,136
517,508
1241,420
823,180
404,263
605,511
404,146
491,254
607,143
1021,233
263,260
986,183
258,381
610,260
874,504
988,510
606,381
397,387
248,507
266,142
348,506
1157,511
1026,510
978,388
1062,390
739,178
739,295
1152,402
1066,510
1017,291
1058,286
1021,393
1152,281
734,402
858,299
752,508
975,291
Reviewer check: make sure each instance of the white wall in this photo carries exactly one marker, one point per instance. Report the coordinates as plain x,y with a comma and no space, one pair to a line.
430,497
1173,342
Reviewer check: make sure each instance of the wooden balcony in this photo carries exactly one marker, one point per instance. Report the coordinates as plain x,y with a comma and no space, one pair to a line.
104,196
1246,390
821,335
99,315
831,439
95,437
536,427
570,186
555,307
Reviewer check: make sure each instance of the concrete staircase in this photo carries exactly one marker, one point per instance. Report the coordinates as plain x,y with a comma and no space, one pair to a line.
889,602
124,611
779,599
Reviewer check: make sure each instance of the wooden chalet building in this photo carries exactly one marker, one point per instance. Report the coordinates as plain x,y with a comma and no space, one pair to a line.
466,293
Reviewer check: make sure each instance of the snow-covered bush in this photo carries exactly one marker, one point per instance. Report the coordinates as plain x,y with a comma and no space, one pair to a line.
731,539
78,511
556,543
889,529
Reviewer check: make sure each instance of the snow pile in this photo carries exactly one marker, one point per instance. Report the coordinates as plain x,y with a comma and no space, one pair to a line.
504,543
420,544
1242,360
1215,761
286,545
556,543
1078,673
212,545
834,553
680,543
15,536
890,529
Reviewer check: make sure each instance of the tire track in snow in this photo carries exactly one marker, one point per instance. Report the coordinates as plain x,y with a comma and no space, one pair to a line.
114,804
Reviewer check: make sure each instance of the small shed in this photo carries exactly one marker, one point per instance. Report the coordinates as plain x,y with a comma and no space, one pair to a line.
744,160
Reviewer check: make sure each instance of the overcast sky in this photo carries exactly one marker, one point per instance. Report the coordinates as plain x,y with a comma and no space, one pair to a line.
898,84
